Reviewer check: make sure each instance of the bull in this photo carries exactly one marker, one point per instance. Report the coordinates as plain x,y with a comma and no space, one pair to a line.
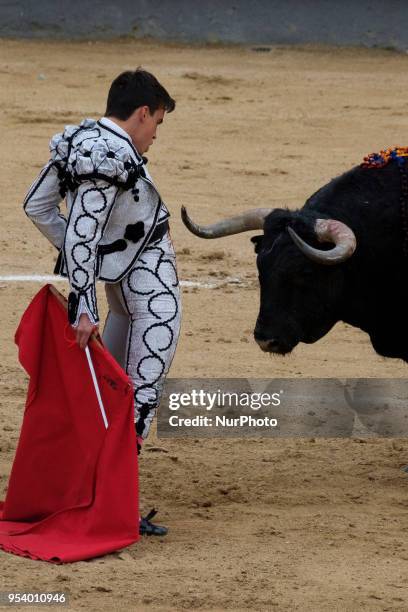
341,257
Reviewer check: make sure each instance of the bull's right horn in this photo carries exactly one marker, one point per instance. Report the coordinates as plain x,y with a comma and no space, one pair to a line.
328,230
250,220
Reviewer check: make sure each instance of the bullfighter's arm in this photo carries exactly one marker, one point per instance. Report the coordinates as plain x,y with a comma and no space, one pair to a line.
42,205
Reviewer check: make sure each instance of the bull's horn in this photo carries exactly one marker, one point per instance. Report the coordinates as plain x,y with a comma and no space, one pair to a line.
250,220
328,230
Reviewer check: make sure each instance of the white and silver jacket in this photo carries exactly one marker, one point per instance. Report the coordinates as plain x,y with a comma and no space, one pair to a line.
112,204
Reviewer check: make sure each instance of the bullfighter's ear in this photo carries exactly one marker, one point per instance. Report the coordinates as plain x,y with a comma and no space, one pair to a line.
257,241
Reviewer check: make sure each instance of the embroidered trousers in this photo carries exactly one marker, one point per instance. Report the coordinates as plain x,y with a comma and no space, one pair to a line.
143,324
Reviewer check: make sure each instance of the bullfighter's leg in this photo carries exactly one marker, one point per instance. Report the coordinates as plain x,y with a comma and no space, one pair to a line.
145,308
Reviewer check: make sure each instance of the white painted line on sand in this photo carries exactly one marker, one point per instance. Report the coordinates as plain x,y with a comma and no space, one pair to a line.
30,278
52,278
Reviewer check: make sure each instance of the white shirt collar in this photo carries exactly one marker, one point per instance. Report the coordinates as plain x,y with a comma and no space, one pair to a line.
115,127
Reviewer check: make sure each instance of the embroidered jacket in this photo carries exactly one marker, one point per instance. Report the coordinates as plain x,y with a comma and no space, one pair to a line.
112,204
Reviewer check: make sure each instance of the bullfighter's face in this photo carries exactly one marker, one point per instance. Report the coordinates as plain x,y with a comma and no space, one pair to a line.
146,131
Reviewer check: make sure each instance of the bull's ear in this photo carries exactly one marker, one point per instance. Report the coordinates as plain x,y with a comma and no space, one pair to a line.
257,241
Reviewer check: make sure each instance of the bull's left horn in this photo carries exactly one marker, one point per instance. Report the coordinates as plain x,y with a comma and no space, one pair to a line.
250,220
328,230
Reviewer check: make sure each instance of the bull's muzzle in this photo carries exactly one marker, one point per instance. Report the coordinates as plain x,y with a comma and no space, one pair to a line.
270,344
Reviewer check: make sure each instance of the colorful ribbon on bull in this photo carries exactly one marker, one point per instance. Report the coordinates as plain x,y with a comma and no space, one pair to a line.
381,159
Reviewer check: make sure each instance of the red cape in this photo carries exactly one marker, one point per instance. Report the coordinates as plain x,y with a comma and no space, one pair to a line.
73,488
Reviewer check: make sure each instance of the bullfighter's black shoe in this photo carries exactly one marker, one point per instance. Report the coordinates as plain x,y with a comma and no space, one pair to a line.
148,528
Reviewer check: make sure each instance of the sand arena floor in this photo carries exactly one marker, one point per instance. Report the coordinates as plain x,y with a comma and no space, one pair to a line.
254,524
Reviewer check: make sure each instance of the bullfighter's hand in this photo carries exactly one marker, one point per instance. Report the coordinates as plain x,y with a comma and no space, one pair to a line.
84,330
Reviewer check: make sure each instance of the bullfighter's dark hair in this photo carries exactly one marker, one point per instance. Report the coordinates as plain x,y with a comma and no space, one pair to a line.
132,89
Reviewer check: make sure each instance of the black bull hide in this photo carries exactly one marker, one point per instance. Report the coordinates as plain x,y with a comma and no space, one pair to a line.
301,300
